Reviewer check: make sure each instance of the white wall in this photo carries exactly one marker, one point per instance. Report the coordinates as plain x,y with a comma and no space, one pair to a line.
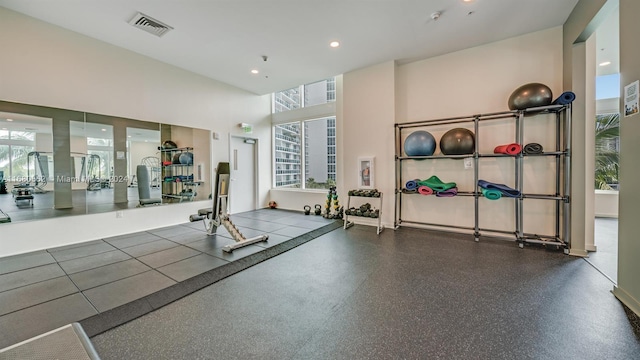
606,203
473,81
139,150
368,115
46,65
628,287
476,80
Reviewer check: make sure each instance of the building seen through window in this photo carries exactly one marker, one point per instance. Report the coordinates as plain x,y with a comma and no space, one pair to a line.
305,150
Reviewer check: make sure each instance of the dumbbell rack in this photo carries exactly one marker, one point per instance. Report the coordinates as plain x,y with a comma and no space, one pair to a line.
348,224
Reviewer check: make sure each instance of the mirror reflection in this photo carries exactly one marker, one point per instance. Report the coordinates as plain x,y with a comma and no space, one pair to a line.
75,163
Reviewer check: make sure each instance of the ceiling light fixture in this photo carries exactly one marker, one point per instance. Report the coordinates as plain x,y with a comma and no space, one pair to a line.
103,129
605,63
334,44
254,71
9,120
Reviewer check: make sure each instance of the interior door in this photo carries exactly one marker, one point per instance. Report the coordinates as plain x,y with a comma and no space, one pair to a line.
243,175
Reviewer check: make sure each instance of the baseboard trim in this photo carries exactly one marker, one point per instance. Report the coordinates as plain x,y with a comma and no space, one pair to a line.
579,253
628,300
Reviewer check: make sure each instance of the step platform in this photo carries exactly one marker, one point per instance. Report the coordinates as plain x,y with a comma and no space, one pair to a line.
67,342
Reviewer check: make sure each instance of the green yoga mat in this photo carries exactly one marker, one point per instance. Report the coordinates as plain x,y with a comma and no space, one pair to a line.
491,194
437,184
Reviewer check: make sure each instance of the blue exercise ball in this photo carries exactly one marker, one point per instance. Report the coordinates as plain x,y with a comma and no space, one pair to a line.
529,96
419,143
186,158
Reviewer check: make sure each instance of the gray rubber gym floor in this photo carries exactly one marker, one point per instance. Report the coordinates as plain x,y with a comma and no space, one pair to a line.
405,294
106,282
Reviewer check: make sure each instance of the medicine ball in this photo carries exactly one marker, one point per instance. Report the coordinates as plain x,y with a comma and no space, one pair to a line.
458,141
529,96
419,143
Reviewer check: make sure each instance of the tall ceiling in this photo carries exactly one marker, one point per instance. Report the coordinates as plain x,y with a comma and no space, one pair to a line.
226,39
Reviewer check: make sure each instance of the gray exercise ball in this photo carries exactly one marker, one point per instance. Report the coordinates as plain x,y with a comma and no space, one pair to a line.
529,96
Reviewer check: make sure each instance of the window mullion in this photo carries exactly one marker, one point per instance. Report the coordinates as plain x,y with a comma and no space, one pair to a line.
303,156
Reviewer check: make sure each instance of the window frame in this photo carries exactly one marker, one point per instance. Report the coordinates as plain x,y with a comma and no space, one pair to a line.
299,116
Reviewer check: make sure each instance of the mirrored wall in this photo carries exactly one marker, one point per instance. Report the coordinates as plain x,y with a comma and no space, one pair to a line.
57,162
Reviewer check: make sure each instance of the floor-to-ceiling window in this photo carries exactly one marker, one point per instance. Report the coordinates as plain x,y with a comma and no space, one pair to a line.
305,149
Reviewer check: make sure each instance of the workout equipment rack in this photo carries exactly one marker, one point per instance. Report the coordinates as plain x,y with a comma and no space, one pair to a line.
217,215
348,224
561,153
177,179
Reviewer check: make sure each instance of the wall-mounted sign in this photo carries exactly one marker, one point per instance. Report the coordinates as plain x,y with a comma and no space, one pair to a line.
631,98
246,128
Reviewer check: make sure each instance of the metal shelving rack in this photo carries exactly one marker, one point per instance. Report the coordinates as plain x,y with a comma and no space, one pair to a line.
173,185
561,153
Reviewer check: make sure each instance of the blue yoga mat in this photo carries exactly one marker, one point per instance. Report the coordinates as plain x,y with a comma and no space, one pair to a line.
504,189
491,194
412,184
565,98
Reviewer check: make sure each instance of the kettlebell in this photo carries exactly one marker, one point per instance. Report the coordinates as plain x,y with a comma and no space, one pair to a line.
318,209
307,209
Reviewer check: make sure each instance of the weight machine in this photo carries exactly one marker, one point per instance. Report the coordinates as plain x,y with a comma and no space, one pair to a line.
217,215
94,173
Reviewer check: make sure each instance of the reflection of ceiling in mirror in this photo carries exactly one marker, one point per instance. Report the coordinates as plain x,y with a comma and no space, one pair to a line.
135,134
22,122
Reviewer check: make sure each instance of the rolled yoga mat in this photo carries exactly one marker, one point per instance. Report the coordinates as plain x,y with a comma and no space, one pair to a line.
425,190
412,184
509,149
448,193
504,189
491,194
533,148
436,184
565,98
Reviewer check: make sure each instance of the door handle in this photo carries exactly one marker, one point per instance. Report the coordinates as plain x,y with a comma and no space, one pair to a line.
235,159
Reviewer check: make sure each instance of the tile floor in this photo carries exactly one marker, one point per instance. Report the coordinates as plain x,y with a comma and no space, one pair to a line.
43,290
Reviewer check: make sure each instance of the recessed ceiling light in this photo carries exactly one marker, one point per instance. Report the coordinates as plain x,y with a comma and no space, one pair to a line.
9,119
128,135
334,44
4,128
254,71
467,0
103,129
605,63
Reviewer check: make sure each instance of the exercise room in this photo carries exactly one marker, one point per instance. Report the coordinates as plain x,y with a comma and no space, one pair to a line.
319,180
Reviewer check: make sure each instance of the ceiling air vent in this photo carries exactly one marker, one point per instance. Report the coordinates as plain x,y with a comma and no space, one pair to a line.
150,25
